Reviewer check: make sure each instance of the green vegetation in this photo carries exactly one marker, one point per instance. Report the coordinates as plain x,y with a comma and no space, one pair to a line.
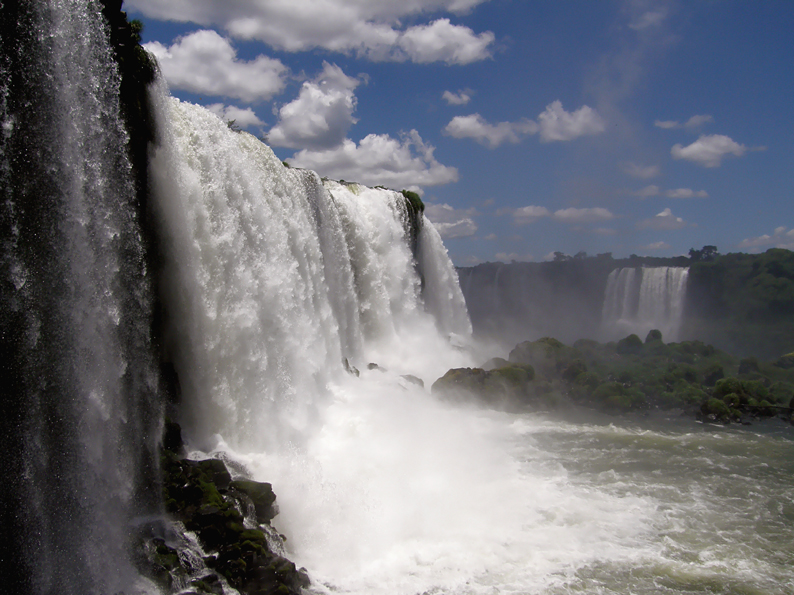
414,201
629,375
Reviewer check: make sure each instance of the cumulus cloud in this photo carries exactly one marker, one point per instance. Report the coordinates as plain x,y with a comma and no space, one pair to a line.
693,122
531,213
657,246
242,117
708,150
554,124
589,215
490,135
651,190
462,97
206,63
369,29
451,222
640,172
321,115
380,159
780,238
441,41
558,125
662,221
686,193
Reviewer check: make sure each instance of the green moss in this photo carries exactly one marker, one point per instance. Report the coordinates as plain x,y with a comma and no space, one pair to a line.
414,201
630,345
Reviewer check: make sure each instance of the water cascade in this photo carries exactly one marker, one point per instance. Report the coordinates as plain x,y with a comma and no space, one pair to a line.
81,414
300,316
638,300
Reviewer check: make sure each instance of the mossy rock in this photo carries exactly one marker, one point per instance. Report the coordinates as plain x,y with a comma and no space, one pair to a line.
653,335
630,345
262,497
495,362
717,408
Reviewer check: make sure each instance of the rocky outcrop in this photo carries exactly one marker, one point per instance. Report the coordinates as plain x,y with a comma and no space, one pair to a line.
231,518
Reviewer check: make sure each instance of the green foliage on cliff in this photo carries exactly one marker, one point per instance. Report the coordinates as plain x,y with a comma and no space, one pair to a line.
630,375
414,201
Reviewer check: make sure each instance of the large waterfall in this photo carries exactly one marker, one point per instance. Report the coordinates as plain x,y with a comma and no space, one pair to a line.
81,417
638,300
300,316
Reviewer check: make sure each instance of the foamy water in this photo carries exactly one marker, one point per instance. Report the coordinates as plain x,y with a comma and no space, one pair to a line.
276,276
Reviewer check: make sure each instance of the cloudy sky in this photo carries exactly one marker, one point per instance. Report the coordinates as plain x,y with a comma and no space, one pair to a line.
626,126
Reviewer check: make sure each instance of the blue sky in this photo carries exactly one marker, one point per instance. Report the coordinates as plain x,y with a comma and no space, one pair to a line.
626,126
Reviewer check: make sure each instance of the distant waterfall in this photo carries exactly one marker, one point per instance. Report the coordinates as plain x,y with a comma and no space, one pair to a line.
81,421
638,300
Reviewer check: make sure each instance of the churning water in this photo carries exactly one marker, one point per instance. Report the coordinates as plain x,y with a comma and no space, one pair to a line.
274,283
276,276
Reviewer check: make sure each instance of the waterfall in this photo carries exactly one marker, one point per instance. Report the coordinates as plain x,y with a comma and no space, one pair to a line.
638,300
274,277
81,422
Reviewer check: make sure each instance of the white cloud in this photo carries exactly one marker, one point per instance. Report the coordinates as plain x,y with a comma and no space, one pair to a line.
380,159
441,41
651,190
780,238
491,237
554,124
451,222
242,117
697,121
462,97
490,135
641,172
321,115
206,63
531,213
694,122
662,221
589,215
528,214
657,246
558,125
686,193
370,29
708,150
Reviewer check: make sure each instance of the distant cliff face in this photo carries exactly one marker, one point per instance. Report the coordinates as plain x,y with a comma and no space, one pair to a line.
741,303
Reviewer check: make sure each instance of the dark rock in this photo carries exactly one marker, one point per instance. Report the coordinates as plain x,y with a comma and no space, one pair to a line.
414,380
262,497
349,368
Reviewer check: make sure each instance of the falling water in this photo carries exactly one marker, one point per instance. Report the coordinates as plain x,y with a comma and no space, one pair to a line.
655,300
81,427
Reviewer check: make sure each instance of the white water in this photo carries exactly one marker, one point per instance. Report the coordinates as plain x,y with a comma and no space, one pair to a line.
655,301
77,298
273,278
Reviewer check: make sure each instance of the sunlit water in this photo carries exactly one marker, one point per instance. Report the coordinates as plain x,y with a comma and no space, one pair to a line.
274,277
